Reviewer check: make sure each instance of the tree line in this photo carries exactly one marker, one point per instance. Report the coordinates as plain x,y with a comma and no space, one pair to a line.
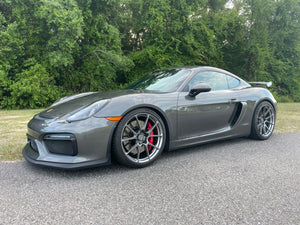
52,48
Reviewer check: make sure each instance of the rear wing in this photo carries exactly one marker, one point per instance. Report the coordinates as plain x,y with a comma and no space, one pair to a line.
268,84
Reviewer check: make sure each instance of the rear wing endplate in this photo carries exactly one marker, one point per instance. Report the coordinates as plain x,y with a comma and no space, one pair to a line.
268,84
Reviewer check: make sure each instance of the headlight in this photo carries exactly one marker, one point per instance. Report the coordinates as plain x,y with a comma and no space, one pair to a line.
87,111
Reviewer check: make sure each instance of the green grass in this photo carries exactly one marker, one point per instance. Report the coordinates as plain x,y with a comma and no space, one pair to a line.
13,125
288,118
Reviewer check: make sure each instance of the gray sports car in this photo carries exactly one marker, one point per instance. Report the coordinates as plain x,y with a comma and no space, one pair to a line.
168,109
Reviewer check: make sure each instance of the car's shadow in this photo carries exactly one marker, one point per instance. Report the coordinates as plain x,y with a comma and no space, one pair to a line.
114,168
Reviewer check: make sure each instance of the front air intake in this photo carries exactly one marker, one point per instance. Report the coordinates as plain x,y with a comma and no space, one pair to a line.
64,144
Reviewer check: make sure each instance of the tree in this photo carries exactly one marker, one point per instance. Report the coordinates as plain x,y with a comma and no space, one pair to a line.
285,41
51,48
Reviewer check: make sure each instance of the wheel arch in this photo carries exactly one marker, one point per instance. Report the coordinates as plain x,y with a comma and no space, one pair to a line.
274,104
264,95
153,108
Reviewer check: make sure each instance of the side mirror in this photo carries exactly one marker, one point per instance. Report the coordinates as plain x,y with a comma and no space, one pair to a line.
198,88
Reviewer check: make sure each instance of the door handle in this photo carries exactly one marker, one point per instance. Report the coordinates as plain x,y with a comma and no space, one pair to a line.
233,100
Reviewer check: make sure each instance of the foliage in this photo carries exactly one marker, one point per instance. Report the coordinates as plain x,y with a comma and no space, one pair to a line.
49,48
32,88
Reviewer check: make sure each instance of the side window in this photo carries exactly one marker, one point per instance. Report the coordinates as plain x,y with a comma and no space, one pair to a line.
217,81
232,82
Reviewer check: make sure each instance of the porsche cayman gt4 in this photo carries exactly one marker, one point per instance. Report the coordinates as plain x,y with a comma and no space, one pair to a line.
168,109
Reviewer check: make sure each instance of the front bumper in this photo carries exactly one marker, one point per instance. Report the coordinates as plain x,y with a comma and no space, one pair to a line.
87,143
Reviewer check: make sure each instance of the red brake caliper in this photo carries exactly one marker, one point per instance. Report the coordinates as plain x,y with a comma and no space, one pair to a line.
149,126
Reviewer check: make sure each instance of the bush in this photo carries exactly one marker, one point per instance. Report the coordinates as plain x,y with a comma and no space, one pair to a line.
284,99
33,88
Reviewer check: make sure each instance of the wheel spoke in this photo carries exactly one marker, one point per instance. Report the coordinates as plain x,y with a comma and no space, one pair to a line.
139,153
138,122
130,150
268,117
152,145
129,127
155,135
267,111
146,121
264,129
268,128
148,155
129,139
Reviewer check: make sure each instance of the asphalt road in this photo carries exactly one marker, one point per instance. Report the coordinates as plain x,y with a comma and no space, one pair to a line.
239,181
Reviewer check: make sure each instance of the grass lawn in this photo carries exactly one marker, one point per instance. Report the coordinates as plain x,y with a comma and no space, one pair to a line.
288,118
13,125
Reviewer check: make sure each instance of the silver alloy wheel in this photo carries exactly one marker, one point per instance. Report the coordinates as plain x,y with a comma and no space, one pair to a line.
142,137
265,120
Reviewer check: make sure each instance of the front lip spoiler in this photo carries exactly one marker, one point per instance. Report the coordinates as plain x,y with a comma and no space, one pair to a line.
68,166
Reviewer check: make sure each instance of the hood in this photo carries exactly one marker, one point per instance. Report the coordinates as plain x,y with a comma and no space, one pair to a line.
72,104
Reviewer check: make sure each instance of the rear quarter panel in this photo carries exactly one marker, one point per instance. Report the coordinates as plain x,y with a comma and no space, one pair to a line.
253,96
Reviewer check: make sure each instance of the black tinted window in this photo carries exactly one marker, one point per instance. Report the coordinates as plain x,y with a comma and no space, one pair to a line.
217,81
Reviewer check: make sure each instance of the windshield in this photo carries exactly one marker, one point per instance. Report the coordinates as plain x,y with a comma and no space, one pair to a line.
163,80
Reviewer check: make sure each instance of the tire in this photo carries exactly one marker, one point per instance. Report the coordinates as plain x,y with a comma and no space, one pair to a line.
139,138
263,121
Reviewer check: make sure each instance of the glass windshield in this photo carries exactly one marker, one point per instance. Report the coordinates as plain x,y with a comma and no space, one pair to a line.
163,80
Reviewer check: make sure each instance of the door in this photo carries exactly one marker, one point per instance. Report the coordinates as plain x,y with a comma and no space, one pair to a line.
208,112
